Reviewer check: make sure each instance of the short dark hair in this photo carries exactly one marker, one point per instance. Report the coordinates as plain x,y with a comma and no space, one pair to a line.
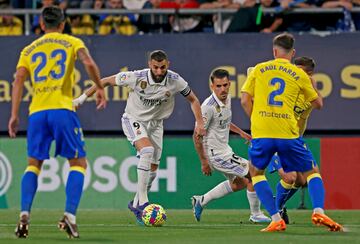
219,74
158,55
52,16
307,62
285,41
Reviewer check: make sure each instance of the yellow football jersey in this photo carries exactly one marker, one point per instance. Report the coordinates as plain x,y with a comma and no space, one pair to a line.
302,112
275,87
50,61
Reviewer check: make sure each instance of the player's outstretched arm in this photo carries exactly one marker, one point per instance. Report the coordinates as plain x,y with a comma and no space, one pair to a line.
199,147
18,87
195,107
94,74
239,131
107,81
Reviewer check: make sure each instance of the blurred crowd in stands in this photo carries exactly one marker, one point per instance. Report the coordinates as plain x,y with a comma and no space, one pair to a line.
248,17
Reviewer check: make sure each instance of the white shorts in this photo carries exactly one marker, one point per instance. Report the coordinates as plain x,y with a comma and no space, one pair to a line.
153,129
232,167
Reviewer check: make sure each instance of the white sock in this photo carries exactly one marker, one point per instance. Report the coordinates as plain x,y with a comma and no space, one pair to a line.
143,173
143,179
254,202
27,213
136,200
276,217
218,191
151,179
71,217
319,210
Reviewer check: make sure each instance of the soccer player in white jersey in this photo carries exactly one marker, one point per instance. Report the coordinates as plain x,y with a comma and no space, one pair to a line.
151,100
216,154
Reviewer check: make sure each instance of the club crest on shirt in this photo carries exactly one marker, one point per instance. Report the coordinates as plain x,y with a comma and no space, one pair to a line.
143,85
123,77
218,108
205,119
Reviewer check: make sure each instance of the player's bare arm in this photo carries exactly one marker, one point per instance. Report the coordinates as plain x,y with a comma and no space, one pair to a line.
107,81
94,74
239,131
18,85
318,102
195,107
199,147
247,103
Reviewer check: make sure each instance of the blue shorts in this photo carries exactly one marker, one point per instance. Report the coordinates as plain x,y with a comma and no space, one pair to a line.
275,164
294,154
61,125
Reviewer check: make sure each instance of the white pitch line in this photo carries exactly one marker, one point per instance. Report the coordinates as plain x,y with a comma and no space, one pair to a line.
167,225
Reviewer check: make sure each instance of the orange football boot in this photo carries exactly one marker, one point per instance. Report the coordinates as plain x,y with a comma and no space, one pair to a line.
275,226
322,219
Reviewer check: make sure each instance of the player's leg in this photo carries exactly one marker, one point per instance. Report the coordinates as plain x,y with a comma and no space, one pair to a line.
256,215
317,195
234,169
146,151
70,144
156,138
38,145
284,187
299,182
137,134
74,188
152,176
155,131
200,201
29,184
224,188
286,183
275,166
302,160
260,152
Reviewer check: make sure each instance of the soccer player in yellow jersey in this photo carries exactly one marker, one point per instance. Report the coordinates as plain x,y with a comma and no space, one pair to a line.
291,181
268,97
49,62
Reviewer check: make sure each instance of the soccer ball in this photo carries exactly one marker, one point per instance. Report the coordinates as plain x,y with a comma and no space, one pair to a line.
154,215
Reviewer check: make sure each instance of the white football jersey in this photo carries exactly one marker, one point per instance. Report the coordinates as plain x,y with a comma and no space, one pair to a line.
217,120
149,100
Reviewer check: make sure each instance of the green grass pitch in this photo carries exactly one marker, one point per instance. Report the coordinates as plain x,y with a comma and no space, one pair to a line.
216,226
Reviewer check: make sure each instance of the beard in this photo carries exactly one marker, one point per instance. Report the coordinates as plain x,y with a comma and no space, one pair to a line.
158,78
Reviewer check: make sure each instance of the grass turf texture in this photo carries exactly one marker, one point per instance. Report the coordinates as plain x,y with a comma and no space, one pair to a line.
216,226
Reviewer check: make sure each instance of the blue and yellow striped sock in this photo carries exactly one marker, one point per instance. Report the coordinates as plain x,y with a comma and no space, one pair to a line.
74,188
264,193
316,190
29,184
282,192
